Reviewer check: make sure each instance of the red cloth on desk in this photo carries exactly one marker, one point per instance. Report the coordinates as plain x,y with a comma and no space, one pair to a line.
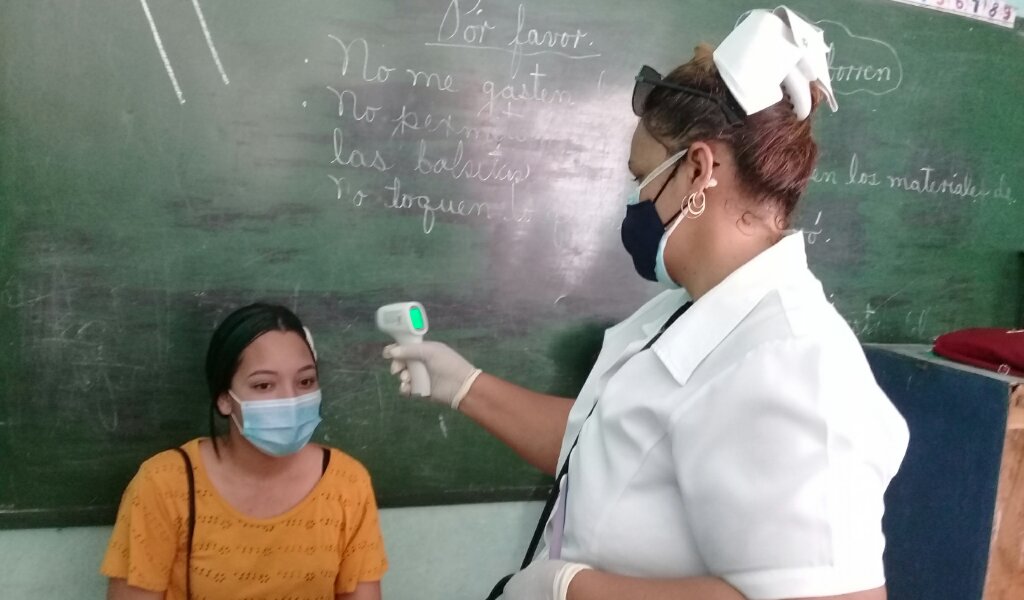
1000,350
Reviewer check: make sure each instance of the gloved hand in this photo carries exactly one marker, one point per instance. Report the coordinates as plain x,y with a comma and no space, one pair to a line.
450,375
542,580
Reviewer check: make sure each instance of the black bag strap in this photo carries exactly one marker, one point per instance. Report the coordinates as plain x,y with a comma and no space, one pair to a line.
191,521
549,506
668,323
499,588
545,514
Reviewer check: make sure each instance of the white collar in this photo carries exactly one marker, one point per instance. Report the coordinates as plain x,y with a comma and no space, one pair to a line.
696,334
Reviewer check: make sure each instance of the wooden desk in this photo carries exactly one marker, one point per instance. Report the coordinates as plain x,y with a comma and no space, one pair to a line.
1005,577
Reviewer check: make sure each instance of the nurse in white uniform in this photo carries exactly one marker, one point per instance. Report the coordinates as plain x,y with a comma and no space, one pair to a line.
731,441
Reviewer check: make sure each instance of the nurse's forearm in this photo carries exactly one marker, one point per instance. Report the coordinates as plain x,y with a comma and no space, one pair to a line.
598,585
530,423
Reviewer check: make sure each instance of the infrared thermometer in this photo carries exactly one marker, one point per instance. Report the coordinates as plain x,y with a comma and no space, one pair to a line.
406,322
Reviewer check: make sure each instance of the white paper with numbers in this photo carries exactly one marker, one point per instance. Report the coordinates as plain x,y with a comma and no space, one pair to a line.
996,12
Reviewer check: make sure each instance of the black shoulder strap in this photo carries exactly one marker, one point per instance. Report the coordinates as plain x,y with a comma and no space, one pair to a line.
668,323
545,514
327,461
191,520
499,588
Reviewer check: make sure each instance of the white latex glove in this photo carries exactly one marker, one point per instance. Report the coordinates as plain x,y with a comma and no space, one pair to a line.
450,375
542,580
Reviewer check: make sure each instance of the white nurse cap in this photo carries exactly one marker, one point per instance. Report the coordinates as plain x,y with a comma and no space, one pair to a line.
769,51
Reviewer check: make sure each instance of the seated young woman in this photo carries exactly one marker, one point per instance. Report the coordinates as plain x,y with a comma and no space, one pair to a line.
258,512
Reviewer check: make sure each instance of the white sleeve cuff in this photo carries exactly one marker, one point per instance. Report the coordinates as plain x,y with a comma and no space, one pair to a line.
806,582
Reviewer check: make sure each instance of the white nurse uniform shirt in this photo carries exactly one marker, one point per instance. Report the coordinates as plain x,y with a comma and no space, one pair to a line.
750,442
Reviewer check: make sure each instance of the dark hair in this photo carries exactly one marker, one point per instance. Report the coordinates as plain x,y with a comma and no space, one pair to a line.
232,337
775,153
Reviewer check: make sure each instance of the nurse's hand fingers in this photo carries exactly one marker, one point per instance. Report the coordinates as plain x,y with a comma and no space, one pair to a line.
397,366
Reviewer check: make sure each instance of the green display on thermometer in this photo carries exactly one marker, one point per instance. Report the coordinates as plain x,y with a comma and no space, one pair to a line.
416,318
407,323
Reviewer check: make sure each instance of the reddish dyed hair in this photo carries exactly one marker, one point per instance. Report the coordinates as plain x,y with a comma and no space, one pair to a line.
775,153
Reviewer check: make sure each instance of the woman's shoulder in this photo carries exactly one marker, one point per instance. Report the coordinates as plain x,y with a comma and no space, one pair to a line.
160,481
168,466
344,467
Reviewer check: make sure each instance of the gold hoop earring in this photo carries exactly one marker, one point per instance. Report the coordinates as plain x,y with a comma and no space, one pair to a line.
691,202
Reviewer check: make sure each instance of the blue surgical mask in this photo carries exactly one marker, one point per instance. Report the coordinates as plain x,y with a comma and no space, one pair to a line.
281,426
644,235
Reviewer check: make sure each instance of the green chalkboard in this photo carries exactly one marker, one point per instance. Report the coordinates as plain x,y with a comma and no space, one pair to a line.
162,163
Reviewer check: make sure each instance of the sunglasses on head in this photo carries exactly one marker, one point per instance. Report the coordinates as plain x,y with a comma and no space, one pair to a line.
648,79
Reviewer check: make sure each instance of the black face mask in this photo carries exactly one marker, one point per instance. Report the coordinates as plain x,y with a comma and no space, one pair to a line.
642,231
641,235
